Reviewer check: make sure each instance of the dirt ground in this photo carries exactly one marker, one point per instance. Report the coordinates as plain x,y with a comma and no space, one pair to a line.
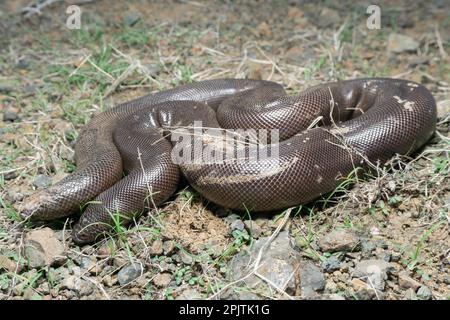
53,79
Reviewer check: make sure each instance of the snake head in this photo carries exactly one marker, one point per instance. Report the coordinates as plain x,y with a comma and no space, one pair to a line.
37,207
88,230
81,235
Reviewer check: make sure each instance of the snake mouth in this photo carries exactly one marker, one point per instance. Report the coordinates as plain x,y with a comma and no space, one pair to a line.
80,235
33,207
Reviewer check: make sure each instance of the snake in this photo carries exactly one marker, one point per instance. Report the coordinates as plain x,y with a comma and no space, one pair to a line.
132,157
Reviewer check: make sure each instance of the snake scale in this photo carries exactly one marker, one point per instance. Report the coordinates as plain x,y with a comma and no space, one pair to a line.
125,163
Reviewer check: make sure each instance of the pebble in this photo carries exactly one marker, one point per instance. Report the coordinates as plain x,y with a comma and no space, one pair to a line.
279,272
231,218
119,261
42,181
406,282
331,264
10,116
366,248
376,270
331,287
253,228
398,43
42,248
152,69
162,279
129,273
237,225
57,275
443,108
168,247
327,18
362,290
86,288
339,240
279,262
156,249
71,283
424,293
312,280
90,264
186,258
410,294
109,280
132,18
5,88
189,294
22,64
7,264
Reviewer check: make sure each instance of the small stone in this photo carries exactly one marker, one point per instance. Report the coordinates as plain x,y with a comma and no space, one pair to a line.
44,288
22,64
71,283
331,264
253,228
156,249
104,251
86,288
410,294
42,248
419,61
30,88
152,69
231,218
406,282
131,18
339,240
90,264
264,29
109,281
247,295
42,181
30,294
327,18
396,256
375,270
189,294
129,273
424,293
331,287
162,279
279,272
58,275
10,116
237,225
443,108
10,175
168,247
75,270
312,280
119,261
176,257
398,43
4,88
362,290
186,258
7,264
278,264
367,247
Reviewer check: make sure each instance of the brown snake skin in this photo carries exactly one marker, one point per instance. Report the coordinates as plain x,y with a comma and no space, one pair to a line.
363,121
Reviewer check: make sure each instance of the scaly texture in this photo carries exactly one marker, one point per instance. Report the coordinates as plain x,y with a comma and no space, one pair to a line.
362,121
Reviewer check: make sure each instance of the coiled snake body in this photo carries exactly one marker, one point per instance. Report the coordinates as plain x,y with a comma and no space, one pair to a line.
361,121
